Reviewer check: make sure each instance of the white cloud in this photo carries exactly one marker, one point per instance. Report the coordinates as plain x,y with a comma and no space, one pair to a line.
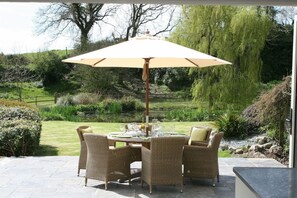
17,30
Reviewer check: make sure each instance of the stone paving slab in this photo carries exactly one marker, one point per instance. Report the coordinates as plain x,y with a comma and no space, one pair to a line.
30,177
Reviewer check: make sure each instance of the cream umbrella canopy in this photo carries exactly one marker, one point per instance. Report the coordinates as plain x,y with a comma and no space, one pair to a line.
146,52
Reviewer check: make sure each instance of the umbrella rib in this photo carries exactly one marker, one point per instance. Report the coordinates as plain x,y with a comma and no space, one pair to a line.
99,61
192,62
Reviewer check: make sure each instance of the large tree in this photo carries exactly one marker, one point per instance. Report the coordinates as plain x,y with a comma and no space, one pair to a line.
70,17
277,54
144,15
236,34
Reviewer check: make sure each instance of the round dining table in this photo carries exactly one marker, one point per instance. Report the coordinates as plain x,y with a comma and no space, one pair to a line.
129,138
135,141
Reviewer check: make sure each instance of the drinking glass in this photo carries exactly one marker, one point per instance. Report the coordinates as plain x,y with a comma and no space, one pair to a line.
122,128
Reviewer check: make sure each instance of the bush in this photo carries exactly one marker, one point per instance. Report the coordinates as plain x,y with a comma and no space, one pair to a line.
68,113
112,106
232,125
187,114
46,116
131,104
20,131
85,98
65,100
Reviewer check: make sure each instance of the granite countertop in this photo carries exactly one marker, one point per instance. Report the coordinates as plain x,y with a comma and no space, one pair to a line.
269,182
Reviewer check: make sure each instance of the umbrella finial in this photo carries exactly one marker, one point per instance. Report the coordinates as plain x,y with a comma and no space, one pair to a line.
147,33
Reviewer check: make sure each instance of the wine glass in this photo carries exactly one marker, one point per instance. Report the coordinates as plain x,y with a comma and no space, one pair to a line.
122,128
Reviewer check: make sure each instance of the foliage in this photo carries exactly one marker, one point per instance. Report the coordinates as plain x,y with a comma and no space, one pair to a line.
85,98
13,60
50,115
17,75
112,105
65,100
131,104
50,67
20,131
236,34
232,125
272,108
95,80
29,90
60,112
277,53
174,78
108,110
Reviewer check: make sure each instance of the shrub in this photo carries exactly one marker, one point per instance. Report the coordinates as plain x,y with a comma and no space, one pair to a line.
65,100
131,104
112,106
88,108
187,114
20,131
232,125
68,113
17,113
51,116
85,98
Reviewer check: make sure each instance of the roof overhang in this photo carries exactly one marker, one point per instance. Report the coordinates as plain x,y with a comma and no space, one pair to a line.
178,2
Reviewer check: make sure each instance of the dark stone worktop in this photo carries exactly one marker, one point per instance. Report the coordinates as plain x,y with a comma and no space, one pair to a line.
269,182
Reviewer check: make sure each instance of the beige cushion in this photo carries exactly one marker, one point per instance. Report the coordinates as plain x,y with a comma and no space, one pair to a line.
198,134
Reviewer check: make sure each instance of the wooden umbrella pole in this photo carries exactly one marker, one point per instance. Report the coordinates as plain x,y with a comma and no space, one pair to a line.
147,61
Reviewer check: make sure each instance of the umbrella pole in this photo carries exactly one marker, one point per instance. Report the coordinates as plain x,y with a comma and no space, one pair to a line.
147,61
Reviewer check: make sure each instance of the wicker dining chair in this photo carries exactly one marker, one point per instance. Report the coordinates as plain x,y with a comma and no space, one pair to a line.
201,161
162,163
104,163
83,148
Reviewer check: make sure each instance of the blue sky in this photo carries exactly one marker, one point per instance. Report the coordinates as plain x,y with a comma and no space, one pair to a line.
17,30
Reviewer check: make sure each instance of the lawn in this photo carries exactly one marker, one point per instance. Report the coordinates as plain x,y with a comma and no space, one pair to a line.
60,137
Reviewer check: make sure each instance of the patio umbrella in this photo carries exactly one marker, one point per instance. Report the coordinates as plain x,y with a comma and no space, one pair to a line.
146,52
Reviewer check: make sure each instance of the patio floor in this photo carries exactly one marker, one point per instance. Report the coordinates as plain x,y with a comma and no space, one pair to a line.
56,177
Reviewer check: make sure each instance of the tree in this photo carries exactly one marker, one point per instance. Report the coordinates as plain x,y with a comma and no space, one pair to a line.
143,15
70,17
50,68
277,53
15,72
94,79
236,34
272,109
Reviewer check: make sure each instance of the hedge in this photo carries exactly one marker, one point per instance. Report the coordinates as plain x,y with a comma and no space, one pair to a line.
20,129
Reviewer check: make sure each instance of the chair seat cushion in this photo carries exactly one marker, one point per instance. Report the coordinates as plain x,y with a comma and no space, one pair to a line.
198,134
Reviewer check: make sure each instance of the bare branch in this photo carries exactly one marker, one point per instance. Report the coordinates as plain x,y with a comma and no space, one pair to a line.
58,18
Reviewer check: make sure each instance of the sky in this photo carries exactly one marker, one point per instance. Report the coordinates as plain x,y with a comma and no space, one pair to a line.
17,30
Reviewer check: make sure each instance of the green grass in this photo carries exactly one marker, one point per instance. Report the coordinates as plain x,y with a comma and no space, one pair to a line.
29,94
60,137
